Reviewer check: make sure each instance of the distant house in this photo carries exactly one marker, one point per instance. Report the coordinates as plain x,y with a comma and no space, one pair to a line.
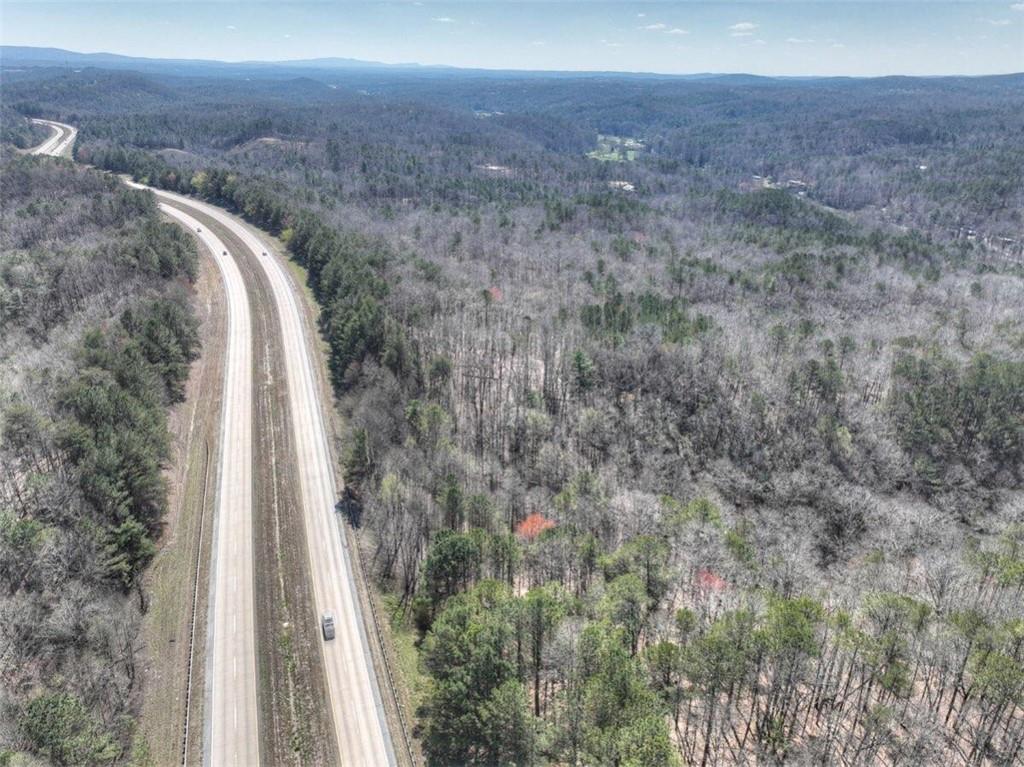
757,182
497,170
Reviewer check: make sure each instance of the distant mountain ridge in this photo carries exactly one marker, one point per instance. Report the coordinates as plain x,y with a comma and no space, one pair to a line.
24,56
30,56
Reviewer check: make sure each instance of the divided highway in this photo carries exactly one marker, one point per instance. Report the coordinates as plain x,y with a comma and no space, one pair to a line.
231,711
356,707
59,143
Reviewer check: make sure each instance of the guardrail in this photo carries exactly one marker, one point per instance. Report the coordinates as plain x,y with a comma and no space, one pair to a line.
195,608
402,721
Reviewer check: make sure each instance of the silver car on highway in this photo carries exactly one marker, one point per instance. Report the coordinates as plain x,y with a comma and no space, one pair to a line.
327,625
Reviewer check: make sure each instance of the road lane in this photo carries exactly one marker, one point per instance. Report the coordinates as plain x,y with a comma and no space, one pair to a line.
59,143
293,694
356,708
232,721
47,147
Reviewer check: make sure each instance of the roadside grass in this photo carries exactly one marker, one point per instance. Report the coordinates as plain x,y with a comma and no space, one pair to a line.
301,276
403,638
399,635
166,626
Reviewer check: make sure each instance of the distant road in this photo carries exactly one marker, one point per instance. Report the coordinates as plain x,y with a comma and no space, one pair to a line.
355,702
59,144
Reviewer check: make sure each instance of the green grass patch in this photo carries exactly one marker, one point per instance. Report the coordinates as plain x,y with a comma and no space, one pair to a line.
403,638
301,276
616,148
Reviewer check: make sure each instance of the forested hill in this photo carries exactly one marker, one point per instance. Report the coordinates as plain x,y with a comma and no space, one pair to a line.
685,419
938,154
96,337
18,131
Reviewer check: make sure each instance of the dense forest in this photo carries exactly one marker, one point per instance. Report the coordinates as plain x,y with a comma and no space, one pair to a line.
97,336
19,131
941,154
685,420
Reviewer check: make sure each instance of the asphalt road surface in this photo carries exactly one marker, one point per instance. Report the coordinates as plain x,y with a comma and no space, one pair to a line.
59,143
356,709
232,730
232,735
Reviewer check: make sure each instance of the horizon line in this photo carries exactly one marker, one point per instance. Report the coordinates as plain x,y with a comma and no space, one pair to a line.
450,67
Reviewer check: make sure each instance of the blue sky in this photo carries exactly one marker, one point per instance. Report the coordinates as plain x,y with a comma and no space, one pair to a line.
782,37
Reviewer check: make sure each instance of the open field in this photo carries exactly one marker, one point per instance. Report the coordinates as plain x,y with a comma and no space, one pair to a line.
616,148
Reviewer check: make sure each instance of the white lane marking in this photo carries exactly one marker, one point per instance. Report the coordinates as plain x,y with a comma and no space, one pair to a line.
231,582
359,725
236,461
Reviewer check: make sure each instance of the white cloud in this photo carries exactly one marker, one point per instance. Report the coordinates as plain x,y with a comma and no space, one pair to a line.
1017,7
999,22
232,27
654,27
444,20
538,43
798,40
641,15
611,44
677,31
743,26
